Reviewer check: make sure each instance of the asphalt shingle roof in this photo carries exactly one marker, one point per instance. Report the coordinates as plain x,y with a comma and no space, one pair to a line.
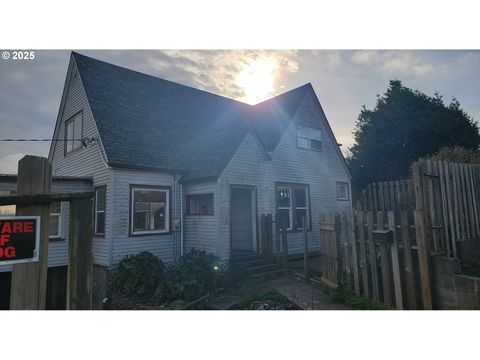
150,123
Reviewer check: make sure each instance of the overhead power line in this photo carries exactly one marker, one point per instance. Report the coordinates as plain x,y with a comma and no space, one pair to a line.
84,141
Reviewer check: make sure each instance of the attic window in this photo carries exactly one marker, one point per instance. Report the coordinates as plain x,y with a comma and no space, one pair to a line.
309,138
73,133
200,204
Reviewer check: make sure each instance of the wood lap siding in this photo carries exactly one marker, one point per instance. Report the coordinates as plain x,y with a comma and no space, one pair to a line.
165,246
200,231
87,162
289,164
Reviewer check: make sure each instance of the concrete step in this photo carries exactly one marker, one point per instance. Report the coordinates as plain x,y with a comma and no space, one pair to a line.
258,269
269,275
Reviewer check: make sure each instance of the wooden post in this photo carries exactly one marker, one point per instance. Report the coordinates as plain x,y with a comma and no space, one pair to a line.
263,232
408,261
29,281
423,259
269,238
373,257
353,239
277,239
363,253
397,282
80,260
305,249
385,263
338,247
284,247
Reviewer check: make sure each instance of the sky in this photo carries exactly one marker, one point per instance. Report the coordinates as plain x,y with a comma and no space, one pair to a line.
344,81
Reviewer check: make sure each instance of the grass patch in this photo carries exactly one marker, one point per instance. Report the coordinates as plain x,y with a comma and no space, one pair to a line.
343,296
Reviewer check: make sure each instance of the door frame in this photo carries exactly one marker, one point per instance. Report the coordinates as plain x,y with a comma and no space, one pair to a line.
254,204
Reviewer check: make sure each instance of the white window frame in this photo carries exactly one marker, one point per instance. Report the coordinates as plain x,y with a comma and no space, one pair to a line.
104,211
135,188
307,212
58,235
309,137
76,145
290,209
347,198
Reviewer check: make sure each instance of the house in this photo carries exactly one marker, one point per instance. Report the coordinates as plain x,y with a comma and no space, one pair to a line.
175,168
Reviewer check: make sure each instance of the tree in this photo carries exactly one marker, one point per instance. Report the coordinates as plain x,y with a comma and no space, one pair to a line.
457,154
404,126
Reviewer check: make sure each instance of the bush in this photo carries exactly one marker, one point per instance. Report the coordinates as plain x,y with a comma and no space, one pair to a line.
139,275
194,275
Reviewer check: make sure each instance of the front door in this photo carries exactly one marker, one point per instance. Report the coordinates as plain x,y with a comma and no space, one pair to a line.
241,220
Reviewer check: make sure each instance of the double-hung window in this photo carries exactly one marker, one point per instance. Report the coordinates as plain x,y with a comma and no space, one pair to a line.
55,220
199,204
100,207
309,138
293,205
150,210
73,133
342,191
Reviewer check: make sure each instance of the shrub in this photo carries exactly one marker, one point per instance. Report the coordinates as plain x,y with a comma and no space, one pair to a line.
194,275
139,275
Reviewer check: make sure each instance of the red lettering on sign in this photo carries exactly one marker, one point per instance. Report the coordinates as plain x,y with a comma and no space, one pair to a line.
4,238
7,229
8,252
28,226
17,227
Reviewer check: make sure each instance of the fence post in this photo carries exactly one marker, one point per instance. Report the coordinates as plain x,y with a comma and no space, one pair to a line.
338,248
373,257
395,262
269,238
29,281
278,259
305,249
423,259
352,237
263,232
363,253
80,260
284,246
385,263
408,261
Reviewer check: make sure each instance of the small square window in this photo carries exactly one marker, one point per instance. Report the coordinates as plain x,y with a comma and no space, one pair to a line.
199,204
342,191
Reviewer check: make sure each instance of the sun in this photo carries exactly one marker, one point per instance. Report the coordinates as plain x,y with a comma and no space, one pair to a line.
256,80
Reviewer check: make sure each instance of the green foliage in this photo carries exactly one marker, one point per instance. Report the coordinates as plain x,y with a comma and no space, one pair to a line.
139,275
273,295
343,296
404,126
472,267
195,274
457,154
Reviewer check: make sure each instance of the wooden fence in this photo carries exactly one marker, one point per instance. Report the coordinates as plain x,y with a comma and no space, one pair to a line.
383,249
450,195
358,254
387,195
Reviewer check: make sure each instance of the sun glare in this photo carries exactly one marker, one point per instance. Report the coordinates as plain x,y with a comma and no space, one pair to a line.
256,79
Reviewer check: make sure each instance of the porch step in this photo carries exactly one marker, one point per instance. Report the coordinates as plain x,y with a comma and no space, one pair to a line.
269,275
259,269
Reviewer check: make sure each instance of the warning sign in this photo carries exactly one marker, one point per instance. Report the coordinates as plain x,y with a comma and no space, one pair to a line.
19,239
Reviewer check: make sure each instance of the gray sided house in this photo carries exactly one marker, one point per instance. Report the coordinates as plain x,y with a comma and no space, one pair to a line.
176,168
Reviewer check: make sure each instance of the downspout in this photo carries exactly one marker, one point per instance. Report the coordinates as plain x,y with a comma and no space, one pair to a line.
174,216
